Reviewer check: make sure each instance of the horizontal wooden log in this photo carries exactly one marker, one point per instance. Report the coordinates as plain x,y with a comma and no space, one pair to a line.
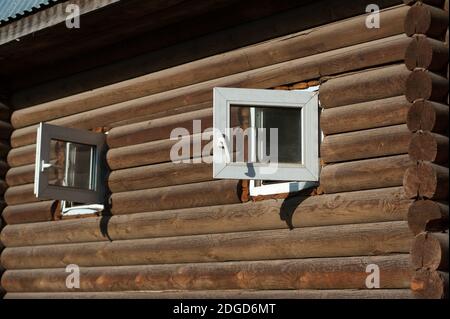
226,294
430,284
30,213
426,180
20,175
364,86
20,194
426,146
390,140
326,210
426,215
366,115
430,251
311,242
303,44
158,129
425,85
22,155
161,114
312,67
364,174
159,175
428,116
174,197
320,273
427,54
158,151
427,20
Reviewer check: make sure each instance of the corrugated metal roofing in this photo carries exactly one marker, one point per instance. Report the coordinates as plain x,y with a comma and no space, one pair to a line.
14,9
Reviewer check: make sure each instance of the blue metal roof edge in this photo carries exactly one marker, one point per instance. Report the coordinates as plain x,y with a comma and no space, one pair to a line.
11,10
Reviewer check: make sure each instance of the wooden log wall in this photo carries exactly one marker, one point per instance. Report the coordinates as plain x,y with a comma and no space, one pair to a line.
384,99
5,132
429,253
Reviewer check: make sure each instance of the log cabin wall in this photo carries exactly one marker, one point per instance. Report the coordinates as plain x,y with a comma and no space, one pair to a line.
173,231
5,132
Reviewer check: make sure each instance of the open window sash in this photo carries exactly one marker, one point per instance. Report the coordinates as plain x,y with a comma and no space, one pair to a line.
69,164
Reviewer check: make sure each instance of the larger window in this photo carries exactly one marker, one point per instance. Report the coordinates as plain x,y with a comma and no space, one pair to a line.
266,135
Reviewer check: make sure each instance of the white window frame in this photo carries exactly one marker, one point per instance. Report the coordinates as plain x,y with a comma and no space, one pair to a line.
43,190
308,103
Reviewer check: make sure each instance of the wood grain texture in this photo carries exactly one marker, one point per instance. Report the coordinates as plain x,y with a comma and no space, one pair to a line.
329,37
370,206
29,213
159,175
425,85
20,195
22,155
426,180
366,115
174,197
428,116
321,273
428,284
160,151
226,294
430,251
364,174
391,140
427,53
431,147
157,129
428,20
364,86
311,67
427,215
328,241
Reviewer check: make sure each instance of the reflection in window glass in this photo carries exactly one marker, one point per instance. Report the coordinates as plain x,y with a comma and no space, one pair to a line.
72,165
286,121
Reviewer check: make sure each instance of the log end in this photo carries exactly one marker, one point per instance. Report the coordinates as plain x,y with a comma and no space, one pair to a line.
423,147
427,215
419,53
421,116
430,284
429,251
419,85
418,20
420,181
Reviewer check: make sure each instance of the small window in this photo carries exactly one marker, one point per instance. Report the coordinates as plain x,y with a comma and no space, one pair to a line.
266,135
69,165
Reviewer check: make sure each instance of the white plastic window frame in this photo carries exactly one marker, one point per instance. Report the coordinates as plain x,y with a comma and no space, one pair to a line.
306,101
43,190
284,187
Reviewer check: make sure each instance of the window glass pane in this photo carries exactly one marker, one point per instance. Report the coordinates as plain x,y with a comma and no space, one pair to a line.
72,165
262,134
